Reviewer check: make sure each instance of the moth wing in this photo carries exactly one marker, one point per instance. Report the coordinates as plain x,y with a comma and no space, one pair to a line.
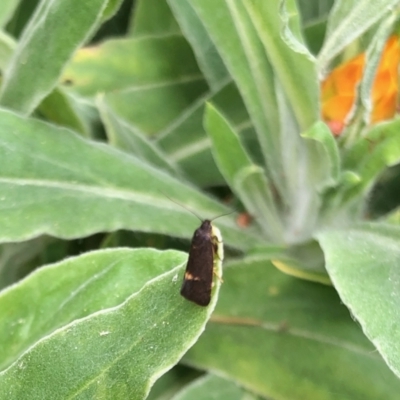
198,278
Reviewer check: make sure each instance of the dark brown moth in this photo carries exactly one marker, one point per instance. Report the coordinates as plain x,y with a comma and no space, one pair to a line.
206,246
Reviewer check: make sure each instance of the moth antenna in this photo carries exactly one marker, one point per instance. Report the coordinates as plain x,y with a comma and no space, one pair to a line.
186,208
196,215
223,215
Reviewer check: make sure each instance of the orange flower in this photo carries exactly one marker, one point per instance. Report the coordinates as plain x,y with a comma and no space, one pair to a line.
339,88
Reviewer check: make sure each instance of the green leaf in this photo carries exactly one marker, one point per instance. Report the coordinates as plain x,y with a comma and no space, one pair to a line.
153,17
16,259
111,8
187,143
302,175
278,25
245,178
53,181
147,72
371,154
325,155
245,59
284,338
373,58
254,191
172,382
145,332
7,46
127,137
294,267
228,151
304,261
7,8
348,21
314,34
30,76
134,64
314,10
207,56
99,280
58,108
393,217
363,265
211,386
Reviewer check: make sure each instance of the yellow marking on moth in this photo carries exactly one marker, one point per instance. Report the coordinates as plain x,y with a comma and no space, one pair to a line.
190,277
217,275
216,239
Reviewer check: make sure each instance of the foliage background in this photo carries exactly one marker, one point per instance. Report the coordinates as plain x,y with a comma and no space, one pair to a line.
107,107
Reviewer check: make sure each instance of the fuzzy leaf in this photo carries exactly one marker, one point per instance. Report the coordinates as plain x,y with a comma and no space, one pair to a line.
59,27
98,351
55,182
349,20
207,56
245,178
126,136
284,338
363,265
145,72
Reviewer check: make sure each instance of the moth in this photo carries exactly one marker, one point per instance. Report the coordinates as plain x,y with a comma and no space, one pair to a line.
206,250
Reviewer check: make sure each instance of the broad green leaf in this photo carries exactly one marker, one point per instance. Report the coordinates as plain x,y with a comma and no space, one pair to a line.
373,58
127,137
340,10
172,382
342,202
16,259
118,64
228,151
295,268
186,142
111,8
314,10
207,56
277,23
383,199
302,175
304,261
30,76
21,16
7,46
58,108
314,34
211,386
245,58
134,337
284,338
245,178
153,17
348,21
365,161
371,154
55,182
363,263
99,280
144,79
393,217
379,144
325,154
156,107
7,8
